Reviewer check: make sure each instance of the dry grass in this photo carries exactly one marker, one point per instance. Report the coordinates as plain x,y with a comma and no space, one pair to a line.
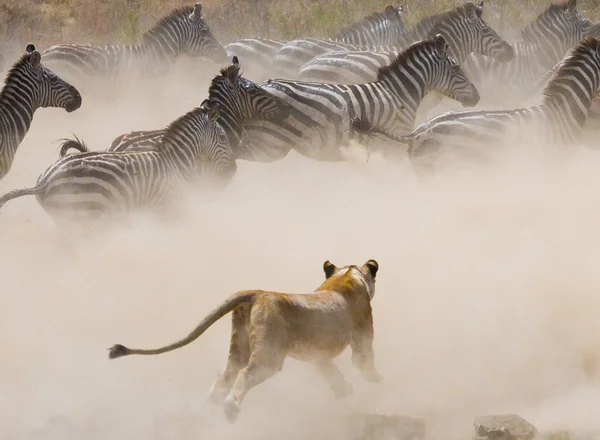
50,21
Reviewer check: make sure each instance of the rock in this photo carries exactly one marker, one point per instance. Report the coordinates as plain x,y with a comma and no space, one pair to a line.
504,427
386,427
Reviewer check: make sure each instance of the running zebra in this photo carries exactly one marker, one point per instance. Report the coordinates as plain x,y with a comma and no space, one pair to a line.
556,122
102,184
182,32
319,126
464,28
546,40
373,32
240,100
29,86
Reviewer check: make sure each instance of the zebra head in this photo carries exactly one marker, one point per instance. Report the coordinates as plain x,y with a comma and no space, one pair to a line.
243,99
49,89
450,79
479,36
199,40
558,28
215,164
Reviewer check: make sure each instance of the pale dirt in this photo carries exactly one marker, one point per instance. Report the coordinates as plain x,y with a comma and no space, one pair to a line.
487,295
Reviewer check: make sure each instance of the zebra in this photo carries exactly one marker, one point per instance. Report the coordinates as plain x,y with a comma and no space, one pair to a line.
28,86
318,128
555,122
258,53
544,43
99,185
239,100
182,32
463,27
373,32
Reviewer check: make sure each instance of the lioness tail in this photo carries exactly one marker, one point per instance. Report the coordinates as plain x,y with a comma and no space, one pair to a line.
227,306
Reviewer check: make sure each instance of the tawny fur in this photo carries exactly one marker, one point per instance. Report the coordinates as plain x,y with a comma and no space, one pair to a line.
267,327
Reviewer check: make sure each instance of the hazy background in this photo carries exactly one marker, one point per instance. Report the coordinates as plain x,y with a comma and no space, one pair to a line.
487,295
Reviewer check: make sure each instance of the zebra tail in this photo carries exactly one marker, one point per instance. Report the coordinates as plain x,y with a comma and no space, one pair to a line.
22,192
364,126
75,144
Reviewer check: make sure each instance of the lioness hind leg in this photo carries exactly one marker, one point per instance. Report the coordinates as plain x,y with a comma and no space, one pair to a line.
339,385
263,365
239,355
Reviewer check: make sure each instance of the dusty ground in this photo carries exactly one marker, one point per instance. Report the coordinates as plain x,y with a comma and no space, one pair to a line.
487,292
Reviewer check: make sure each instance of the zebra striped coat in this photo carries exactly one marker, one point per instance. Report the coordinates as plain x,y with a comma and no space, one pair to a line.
29,86
556,121
319,125
375,32
239,99
104,184
182,32
370,30
545,42
464,29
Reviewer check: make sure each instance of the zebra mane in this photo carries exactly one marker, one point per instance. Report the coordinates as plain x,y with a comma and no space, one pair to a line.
404,56
572,59
358,26
424,25
174,15
553,9
12,71
181,123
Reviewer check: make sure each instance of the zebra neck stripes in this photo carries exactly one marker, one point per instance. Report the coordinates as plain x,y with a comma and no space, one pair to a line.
318,126
29,86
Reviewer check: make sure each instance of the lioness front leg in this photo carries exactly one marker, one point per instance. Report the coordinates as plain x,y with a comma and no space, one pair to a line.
363,357
339,385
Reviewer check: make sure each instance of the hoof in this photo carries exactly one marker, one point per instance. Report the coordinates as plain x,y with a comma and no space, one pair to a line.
231,409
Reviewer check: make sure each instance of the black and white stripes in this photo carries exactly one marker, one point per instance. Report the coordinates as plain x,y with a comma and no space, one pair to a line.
555,122
29,86
182,32
464,29
375,32
545,42
101,183
319,125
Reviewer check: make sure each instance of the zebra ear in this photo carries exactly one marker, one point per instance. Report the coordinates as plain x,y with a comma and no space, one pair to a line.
391,13
233,72
441,48
479,9
34,60
196,15
572,5
470,11
30,48
213,113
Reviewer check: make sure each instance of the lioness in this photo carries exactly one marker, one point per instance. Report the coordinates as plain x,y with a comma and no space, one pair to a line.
268,326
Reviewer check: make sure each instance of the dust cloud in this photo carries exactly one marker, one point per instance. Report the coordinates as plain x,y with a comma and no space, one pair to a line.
487,296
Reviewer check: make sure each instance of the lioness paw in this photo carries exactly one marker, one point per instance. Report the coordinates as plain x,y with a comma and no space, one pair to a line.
346,390
373,376
231,409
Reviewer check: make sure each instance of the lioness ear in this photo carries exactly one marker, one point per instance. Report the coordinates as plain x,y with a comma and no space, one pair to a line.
329,268
373,267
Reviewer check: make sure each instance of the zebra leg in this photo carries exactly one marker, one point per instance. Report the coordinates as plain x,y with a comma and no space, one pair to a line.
239,355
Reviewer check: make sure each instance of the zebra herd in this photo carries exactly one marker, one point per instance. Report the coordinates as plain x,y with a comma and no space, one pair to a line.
370,78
